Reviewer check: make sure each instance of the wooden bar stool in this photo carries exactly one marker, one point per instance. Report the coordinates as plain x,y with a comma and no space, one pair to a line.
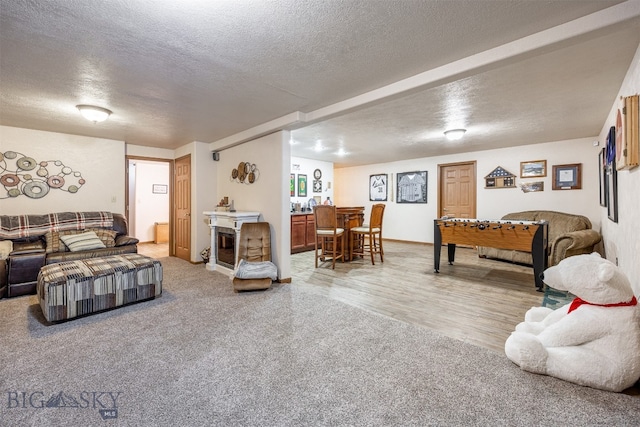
327,234
373,233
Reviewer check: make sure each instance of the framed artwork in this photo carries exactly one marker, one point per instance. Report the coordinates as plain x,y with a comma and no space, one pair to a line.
159,189
412,187
567,177
602,177
378,187
532,187
317,186
302,185
533,169
292,185
612,192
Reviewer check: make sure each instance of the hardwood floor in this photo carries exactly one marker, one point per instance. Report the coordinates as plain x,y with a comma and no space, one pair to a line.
478,301
154,250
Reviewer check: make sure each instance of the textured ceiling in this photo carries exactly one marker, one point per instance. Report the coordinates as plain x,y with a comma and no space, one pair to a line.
198,70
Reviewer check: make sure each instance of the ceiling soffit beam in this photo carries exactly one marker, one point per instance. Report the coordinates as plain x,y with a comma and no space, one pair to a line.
285,122
520,49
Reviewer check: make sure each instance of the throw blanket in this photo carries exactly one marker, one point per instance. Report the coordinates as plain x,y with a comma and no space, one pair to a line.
256,270
17,226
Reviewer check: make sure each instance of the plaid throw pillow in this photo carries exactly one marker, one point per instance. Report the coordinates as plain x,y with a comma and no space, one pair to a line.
82,242
108,237
54,244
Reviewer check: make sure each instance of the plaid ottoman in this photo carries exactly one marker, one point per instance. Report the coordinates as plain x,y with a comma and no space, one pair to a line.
75,288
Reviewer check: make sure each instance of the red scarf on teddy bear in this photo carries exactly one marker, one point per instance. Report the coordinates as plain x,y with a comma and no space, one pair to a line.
577,302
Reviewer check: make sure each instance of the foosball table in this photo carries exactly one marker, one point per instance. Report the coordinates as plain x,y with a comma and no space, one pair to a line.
528,236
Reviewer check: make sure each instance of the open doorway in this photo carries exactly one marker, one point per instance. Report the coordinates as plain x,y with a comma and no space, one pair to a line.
148,204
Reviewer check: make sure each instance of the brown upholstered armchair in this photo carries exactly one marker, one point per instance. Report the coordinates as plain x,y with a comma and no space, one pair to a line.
569,235
255,269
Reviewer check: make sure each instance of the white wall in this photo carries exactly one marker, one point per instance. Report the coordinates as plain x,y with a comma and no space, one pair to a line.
414,222
150,207
204,173
151,152
622,239
306,167
269,194
99,161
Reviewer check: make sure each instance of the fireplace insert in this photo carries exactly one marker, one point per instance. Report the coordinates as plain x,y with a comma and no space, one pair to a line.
226,247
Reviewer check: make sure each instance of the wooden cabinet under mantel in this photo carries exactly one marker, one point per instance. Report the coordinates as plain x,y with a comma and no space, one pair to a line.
303,232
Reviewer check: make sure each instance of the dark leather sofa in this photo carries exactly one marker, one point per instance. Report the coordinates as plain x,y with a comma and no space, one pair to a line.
19,271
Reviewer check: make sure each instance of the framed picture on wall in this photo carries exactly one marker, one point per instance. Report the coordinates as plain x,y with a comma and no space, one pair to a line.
612,192
412,187
567,177
159,189
378,187
533,169
602,177
292,185
317,186
302,185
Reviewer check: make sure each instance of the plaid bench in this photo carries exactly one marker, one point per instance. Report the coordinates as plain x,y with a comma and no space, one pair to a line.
75,288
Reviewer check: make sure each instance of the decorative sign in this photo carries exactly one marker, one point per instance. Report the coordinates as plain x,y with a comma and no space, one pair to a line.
159,189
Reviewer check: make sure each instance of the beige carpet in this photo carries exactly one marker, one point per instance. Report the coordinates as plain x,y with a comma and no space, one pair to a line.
204,355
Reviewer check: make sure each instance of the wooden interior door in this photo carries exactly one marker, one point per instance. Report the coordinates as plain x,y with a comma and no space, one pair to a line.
457,190
182,208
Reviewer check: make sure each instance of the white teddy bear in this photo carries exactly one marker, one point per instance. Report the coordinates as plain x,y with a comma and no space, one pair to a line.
593,341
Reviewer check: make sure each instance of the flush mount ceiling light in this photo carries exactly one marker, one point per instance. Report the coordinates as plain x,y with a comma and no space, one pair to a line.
94,114
454,134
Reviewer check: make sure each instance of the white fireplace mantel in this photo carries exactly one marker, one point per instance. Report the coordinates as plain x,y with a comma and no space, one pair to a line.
233,220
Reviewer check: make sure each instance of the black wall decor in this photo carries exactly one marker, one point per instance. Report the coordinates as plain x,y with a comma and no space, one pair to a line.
612,176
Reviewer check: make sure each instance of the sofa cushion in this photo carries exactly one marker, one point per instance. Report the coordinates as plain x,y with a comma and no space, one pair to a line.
126,240
6,246
569,234
108,237
559,222
55,244
82,242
